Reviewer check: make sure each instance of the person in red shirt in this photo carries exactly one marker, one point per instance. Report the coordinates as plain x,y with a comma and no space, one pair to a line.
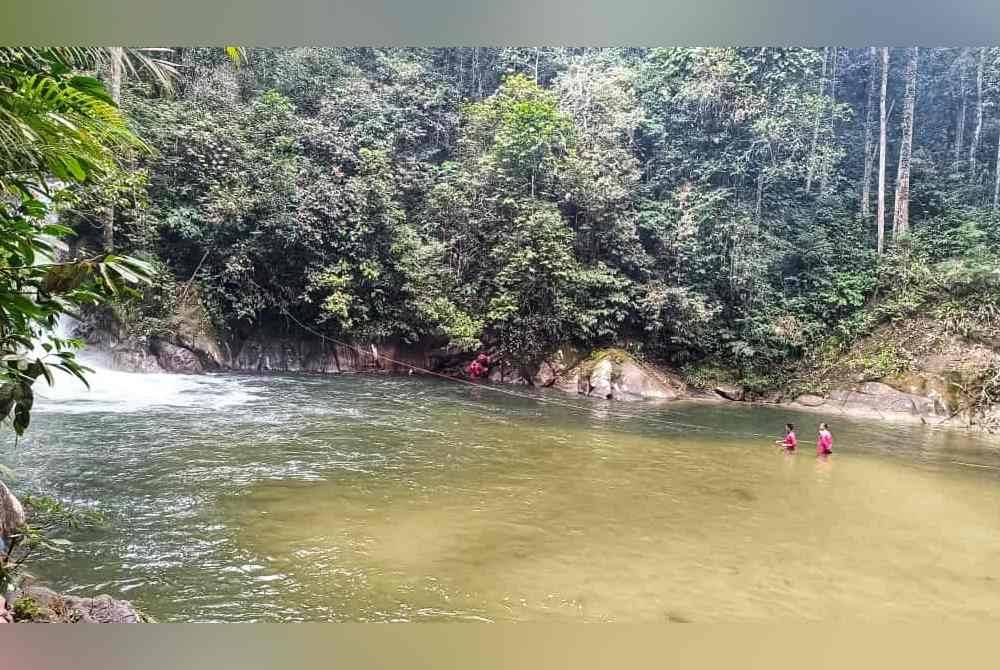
789,442
824,441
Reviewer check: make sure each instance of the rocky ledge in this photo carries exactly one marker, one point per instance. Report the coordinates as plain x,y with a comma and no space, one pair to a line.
612,374
37,604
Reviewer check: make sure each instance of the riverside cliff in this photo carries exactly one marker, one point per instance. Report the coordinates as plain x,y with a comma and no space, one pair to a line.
910,370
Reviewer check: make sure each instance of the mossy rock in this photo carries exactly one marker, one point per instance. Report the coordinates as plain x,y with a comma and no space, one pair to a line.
27,609
617,357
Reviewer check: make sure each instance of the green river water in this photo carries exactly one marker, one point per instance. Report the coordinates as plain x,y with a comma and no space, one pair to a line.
357,498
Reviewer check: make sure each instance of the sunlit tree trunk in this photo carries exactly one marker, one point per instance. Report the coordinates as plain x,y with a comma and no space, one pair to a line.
866,186
996,177
880,218
974,147
815,138
834,66
759,208
960,123
901,215
116,67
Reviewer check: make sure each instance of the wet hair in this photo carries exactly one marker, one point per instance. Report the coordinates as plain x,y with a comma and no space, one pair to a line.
790,427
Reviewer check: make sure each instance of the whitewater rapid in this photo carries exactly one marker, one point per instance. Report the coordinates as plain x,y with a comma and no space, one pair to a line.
116,391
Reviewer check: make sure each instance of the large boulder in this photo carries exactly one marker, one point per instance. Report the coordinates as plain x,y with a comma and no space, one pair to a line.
810,400
134,355
173,358
599,382
639,383
611,374
568,381
192,329
730,392
504,373
881,397
558,370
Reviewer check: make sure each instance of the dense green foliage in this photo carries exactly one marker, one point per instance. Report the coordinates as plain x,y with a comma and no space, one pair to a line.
699,206
57,126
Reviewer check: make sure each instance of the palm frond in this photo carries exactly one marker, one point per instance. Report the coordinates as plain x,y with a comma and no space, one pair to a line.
237,54
62,126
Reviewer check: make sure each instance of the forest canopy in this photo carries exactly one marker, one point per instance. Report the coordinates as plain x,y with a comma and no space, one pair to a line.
728,205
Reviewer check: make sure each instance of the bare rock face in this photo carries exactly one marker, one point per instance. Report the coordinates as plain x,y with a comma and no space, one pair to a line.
880,398
559,370
173,358
567,382
134,356
548,372
192,329
600,380
44,605
884,398
609,374
268,354
730,392
502,373
810,400
637,383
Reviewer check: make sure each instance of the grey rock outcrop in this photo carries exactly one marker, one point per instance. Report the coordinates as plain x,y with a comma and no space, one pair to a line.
47,606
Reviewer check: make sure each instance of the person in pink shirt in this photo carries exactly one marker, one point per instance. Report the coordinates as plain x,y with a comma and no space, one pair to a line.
824,441
789,442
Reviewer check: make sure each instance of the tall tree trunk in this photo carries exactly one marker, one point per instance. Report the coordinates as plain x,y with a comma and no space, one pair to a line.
834,67
996,178
880,218
815,137
866,186
536,64
475,74
760,194
901,217
116,67
960,123
974,147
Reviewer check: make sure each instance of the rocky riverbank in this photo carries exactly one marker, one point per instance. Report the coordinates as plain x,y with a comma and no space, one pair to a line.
37,604
908,371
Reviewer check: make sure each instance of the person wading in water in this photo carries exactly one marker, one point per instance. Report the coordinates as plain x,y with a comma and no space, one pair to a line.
789,442
824,441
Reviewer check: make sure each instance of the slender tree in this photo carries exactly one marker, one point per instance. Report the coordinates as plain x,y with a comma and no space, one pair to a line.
866,186
815,137
996,177
974,147
116,67
960,122
834,66
880,218
901,214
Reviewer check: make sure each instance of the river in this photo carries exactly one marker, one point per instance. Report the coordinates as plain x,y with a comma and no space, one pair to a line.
363,498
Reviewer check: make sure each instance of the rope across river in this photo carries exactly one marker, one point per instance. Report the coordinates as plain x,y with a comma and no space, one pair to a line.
496,389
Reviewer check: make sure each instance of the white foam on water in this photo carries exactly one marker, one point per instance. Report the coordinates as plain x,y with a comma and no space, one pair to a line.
117,391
